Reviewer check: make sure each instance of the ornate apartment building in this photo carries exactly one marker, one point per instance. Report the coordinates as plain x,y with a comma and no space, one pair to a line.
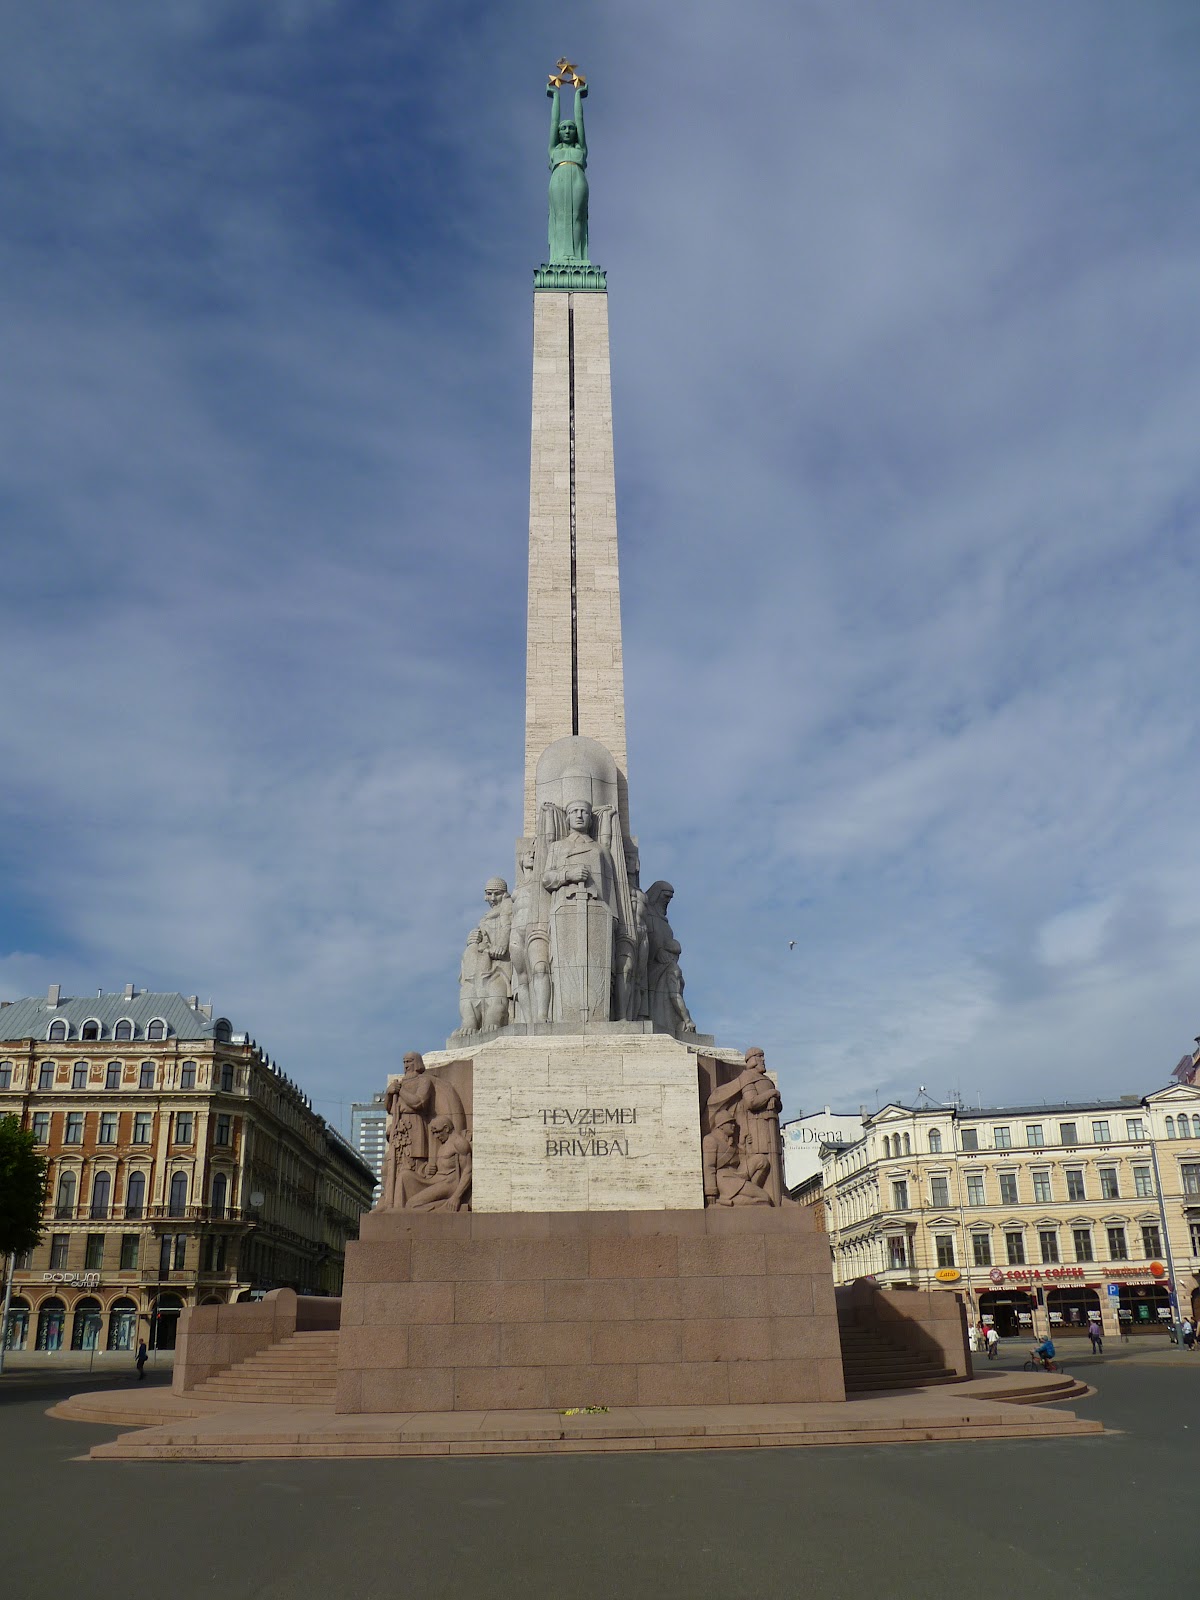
1040,1216
184,1168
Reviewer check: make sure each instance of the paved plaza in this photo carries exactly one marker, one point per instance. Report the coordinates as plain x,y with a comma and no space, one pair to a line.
1088,1518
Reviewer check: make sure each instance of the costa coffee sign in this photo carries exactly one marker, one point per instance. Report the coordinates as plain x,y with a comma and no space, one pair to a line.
1036,1274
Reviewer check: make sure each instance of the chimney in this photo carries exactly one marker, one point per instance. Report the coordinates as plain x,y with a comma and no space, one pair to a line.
54,994
130,991
206,1011
193,1001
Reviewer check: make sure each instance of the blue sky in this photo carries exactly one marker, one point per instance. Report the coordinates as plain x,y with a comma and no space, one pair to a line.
906,375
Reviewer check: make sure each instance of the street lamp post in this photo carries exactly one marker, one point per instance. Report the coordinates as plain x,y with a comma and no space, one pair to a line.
8,1283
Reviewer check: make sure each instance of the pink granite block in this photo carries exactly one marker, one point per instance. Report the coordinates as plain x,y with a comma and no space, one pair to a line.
387,1262
408,1302
499,1388
348,1394
591,1386
453,1261
802,1253
804,1337
354,1299
741,1255
510,1225
790,1295
408,1389
724,1297
500,1302
615,1299
655,1256
549,1258
727,1339
545,1344
773,1382
459,1344
627,1343
591,1224
374,1347
684,1383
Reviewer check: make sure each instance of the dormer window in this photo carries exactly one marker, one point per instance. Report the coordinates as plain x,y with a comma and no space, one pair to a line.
123,1030
90,1030
222,1031
57,1031
156,1029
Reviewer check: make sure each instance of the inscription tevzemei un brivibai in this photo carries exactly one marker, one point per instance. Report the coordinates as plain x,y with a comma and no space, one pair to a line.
588,1117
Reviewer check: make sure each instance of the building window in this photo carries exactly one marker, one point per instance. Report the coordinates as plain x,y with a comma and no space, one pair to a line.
41,1127
935,1142
164,1256
1135,1128
5,1074
1014,1244
220,1191
1075,1187
112,1075
900,1196
1033,1134
1002,1138
1082,1238
1041,1185
58,1032
187,1075
1142,1184
46,1075
214,1253
1118,1250
101,1194
108,1126
135,1194
129,1252
79,1075
975,1189
981,1245
156,1029
1109,1188
1151,1241
1048,1245
944,1244
74,1133
90,1030
142,1123
1170,1127
1184,1128
897,1253
64,1200
93,1258
224,1125
907,1145
59,1244
123,1030
887,1148
1068,1133
1008,1189
939,1192
1100,1132
970,1138
1189,1171
177,1205
184,1127
146,1075
1194,1230
180,1251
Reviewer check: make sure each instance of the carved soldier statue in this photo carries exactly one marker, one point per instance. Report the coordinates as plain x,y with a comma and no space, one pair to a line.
485,974
413,1103
667,1006
529,942
727,1178
444,1183
755,1103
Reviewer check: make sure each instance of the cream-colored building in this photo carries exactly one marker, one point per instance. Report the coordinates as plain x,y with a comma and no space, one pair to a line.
1041,1216
184,1169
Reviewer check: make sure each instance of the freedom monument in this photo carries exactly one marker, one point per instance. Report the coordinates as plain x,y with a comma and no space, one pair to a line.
582,1200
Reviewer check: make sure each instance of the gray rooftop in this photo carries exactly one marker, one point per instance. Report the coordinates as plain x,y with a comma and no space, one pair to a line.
31,1018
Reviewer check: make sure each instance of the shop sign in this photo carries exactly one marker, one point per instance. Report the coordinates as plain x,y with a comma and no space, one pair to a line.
1036,1274
73,1280
1153,1269
947,1275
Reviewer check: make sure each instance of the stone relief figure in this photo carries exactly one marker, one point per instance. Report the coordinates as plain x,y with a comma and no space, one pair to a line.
584,874
634,956
414,1102
529,942
568,182
485,974
668,1009
755,1103
727,1179
444,1183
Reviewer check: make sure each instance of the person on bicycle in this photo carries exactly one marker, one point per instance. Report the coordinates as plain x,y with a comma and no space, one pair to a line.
1045,1352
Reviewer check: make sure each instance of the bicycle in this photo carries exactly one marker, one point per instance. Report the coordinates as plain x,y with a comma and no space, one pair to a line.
1037,1364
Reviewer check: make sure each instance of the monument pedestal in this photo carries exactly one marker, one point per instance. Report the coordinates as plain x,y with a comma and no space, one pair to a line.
468,1311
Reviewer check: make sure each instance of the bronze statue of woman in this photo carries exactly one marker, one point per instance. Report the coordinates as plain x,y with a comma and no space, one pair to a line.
568,183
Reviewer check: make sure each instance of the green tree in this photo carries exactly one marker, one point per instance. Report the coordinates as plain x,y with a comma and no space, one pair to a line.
22,1189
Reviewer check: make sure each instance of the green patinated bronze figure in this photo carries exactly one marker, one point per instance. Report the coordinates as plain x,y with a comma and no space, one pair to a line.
568,181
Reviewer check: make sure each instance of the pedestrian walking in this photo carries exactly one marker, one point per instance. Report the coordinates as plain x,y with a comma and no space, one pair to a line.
1188,1333
141,1360
993,1341
1096,1335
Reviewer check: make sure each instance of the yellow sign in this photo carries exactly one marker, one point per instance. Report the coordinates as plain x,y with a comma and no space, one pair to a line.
947,1275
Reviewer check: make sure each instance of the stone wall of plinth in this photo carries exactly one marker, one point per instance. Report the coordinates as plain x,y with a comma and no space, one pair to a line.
467,1311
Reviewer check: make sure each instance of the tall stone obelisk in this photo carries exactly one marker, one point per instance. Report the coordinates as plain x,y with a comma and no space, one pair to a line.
574,673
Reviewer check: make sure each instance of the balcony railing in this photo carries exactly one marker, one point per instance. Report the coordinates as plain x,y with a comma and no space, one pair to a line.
154,1213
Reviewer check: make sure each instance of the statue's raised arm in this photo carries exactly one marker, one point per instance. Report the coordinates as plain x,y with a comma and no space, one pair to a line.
568,184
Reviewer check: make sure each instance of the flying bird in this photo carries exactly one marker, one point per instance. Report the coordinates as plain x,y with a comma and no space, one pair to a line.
791,944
